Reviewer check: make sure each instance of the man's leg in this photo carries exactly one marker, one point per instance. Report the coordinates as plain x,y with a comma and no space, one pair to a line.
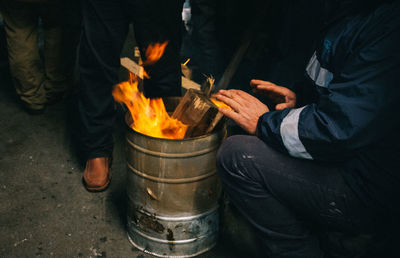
104,33
21,22
204,22
59,51
159,21
281,196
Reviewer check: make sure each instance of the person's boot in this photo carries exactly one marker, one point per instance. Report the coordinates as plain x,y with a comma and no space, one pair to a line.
97,174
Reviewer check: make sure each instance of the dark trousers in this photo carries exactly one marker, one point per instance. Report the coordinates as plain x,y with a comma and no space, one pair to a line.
204,22
287,199
105,27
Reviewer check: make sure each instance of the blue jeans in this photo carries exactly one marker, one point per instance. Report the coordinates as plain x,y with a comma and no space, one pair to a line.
289,200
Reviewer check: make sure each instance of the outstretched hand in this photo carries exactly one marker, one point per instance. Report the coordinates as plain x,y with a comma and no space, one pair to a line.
284,97
246,109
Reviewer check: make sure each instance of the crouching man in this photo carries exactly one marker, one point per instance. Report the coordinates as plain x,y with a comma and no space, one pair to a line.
328,156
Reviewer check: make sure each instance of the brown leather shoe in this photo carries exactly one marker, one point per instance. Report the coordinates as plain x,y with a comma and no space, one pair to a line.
97,174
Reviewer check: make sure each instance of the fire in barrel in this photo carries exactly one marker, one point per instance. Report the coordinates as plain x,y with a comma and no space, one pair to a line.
172,184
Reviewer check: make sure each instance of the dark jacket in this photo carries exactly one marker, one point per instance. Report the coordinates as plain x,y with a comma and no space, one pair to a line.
351,104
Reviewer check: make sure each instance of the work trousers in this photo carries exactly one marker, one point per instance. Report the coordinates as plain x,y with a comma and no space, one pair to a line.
37,79
286,199
105,27
204,22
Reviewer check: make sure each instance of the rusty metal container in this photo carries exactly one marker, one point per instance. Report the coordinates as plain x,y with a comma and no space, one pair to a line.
173,193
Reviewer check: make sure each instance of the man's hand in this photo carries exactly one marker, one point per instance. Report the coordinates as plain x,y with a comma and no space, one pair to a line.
246,108
284,97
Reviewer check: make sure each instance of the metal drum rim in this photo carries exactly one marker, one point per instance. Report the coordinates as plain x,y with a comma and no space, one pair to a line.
171,155
133,132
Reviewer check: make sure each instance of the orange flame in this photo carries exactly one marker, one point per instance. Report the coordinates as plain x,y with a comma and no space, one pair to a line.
149,116
220,103
154,52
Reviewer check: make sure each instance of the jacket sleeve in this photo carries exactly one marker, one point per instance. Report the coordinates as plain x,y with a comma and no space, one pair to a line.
358,108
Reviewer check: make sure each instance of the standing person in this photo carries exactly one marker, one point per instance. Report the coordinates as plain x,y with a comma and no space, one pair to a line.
328,159
105,27
38,81
204,33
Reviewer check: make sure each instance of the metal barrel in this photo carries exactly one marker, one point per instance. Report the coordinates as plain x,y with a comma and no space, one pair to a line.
173,192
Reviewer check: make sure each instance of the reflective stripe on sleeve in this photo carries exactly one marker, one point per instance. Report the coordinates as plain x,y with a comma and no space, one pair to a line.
290,134
321,76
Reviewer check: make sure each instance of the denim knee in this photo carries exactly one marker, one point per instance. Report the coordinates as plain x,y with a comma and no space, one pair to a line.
233,156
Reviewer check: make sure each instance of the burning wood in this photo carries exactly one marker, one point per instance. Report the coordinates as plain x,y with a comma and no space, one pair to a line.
196,114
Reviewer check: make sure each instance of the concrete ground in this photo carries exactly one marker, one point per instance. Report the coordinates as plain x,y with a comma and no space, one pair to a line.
44,209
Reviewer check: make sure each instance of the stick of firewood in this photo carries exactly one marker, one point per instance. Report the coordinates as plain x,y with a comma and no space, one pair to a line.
194,109
134,68
208,86
199,112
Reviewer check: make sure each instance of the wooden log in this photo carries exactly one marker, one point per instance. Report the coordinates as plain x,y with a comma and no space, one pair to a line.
189,84
199,112
195,108
132,67
186,71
